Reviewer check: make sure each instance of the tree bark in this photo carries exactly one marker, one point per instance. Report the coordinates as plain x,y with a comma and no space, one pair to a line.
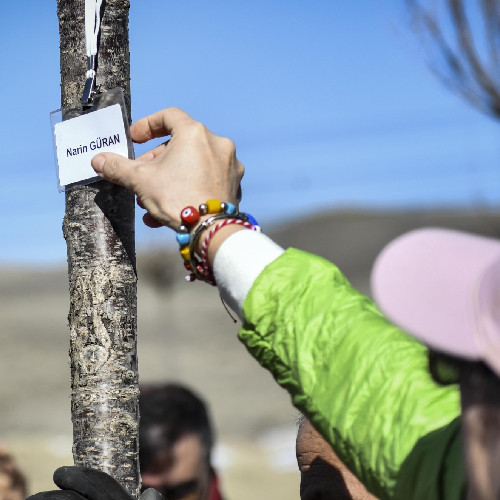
99,230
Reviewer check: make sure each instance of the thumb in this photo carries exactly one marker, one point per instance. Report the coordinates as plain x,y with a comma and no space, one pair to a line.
115,168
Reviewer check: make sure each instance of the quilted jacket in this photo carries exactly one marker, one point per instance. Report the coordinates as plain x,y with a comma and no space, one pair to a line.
363,383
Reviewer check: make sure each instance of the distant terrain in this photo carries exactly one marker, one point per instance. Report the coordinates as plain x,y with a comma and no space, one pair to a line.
185,335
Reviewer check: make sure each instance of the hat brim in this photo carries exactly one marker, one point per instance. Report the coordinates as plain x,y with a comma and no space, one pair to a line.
441,286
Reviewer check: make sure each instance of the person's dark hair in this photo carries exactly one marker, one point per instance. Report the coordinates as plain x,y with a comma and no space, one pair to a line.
167,413
16,477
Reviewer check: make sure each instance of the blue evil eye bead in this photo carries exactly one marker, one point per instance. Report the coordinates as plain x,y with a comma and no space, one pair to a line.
228,208
183,239
252,220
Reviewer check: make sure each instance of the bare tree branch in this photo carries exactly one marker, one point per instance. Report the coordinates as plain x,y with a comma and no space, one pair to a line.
461,40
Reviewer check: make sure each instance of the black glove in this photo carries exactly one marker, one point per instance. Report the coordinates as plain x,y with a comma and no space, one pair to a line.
81,483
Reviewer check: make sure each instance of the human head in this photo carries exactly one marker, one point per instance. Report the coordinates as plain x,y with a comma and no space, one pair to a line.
322,474
443,287
12,481
175,442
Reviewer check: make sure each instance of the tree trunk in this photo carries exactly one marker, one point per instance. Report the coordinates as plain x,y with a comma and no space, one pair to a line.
99,231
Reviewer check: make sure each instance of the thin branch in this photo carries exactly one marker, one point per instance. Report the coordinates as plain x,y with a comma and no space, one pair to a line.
452,47
466,42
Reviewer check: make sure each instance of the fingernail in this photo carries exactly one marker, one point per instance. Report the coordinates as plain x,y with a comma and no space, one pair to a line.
98,163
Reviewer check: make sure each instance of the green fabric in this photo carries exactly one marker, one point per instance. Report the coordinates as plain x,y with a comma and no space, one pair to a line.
362,382
434,469
444,369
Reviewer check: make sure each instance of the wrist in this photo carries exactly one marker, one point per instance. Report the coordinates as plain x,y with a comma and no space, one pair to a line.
200,227
202,233
219,237
199,261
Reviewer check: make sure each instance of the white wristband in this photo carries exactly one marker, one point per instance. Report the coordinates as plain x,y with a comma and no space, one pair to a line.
239,261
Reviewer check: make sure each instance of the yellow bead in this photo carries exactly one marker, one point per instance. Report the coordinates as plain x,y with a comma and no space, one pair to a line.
185,253
213,206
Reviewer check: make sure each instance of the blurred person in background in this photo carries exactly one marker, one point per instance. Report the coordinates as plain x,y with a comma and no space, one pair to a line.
13,484
322,473
176,440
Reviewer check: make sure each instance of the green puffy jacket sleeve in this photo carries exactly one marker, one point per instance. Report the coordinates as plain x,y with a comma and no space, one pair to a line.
363,383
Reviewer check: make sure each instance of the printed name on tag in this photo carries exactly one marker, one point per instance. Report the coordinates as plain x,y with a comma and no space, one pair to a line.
77,140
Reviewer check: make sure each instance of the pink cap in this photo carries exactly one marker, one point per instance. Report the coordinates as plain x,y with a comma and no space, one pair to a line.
443,287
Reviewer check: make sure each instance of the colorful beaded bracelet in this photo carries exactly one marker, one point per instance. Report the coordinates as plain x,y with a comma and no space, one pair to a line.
190,216
198,264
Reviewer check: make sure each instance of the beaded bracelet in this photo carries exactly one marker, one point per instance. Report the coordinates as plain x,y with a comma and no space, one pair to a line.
211,234
220,225
198,264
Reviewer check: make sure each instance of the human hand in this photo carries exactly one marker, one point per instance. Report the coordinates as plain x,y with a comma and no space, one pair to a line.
82,483
194,166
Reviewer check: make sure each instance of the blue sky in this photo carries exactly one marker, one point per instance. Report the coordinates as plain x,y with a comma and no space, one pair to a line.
330,105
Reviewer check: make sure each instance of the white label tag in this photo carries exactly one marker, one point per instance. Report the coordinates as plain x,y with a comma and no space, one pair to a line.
79,139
